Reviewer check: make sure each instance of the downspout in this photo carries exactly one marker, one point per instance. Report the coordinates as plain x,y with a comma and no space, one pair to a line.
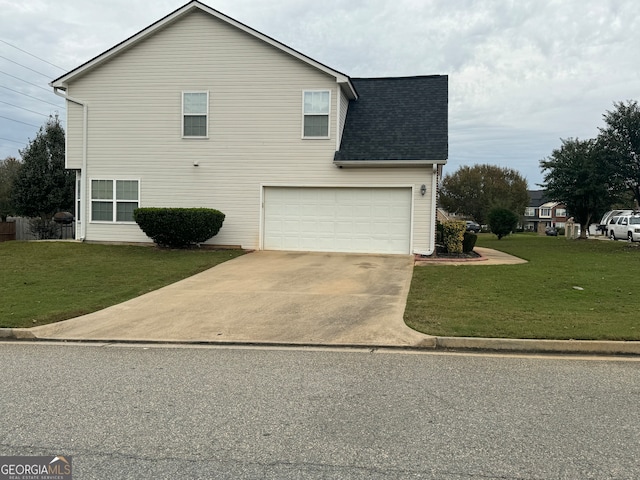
83,176
434,195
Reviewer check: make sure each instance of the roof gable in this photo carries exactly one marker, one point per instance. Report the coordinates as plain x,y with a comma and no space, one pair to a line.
401,119
62,81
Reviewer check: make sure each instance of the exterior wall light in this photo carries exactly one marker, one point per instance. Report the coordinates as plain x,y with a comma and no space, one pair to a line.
423,189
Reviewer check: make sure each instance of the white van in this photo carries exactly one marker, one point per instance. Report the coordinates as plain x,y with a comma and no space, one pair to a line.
625,226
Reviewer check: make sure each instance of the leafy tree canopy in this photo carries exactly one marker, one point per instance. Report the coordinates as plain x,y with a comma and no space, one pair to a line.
578,174
9,168
620,143
43,186
475,190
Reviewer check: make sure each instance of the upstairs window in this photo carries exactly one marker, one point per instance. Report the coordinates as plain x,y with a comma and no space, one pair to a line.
114,200
530,212
195,114
545,212
316,107
561,212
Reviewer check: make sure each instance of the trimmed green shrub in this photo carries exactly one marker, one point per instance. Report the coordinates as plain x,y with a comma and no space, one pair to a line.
179,227
469,241
502,221
453,234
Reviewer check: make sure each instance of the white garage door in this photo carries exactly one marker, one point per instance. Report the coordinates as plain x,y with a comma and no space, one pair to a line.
367,220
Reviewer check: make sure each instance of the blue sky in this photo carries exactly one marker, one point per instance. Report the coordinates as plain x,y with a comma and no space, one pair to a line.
522,74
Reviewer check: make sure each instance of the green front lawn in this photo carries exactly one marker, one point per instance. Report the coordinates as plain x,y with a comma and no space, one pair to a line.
537,299
44,282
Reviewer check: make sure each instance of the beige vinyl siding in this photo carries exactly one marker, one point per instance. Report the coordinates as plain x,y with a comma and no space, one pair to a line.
135,129
75,120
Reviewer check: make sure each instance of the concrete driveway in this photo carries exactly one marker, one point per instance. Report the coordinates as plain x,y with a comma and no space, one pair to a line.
267,297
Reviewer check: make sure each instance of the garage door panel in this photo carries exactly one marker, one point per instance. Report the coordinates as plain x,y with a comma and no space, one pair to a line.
369,220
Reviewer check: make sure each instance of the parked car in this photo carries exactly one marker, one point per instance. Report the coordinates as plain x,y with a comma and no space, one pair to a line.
603,226
625,226
473,227
551,232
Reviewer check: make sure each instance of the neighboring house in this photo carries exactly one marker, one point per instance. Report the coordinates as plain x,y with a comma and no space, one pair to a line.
200,110
542,213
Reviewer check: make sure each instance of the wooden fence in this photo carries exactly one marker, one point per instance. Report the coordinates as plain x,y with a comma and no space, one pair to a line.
19,228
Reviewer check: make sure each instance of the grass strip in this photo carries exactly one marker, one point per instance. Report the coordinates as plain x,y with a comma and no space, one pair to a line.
569,289
45,282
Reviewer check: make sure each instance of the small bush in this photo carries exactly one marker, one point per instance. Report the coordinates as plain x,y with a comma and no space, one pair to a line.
502,221
453,234
469,241
179,227
560,231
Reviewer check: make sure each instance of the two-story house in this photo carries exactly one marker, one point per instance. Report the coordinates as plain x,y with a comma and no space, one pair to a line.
541,213
200,110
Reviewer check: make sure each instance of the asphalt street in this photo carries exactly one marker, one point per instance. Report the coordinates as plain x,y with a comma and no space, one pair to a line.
136,411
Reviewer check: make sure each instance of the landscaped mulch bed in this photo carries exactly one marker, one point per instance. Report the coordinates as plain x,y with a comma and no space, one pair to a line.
441,255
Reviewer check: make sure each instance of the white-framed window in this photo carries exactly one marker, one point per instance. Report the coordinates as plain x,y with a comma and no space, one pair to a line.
114,200
195,114
316,105
530,212
545,212
561,212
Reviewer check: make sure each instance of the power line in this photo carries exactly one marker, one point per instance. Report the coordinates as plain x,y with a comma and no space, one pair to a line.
31,96
34,56
13,141
26,81
22,108
18,121
24,66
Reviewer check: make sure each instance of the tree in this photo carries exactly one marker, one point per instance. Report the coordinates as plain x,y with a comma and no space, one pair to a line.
578,175
474,191
502,221
43,186
620,141
9,168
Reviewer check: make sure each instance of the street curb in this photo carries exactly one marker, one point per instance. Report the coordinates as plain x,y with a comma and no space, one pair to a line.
503,345
602,347
17,334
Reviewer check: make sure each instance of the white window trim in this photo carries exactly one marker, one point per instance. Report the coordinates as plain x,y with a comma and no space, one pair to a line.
530,212
79,200
182,115
547,215
114,200
328,115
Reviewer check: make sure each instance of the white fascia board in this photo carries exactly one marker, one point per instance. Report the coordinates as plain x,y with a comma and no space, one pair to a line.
387,163
341,78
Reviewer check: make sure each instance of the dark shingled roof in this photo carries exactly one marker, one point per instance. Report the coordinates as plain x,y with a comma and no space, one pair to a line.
402,118
537,198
